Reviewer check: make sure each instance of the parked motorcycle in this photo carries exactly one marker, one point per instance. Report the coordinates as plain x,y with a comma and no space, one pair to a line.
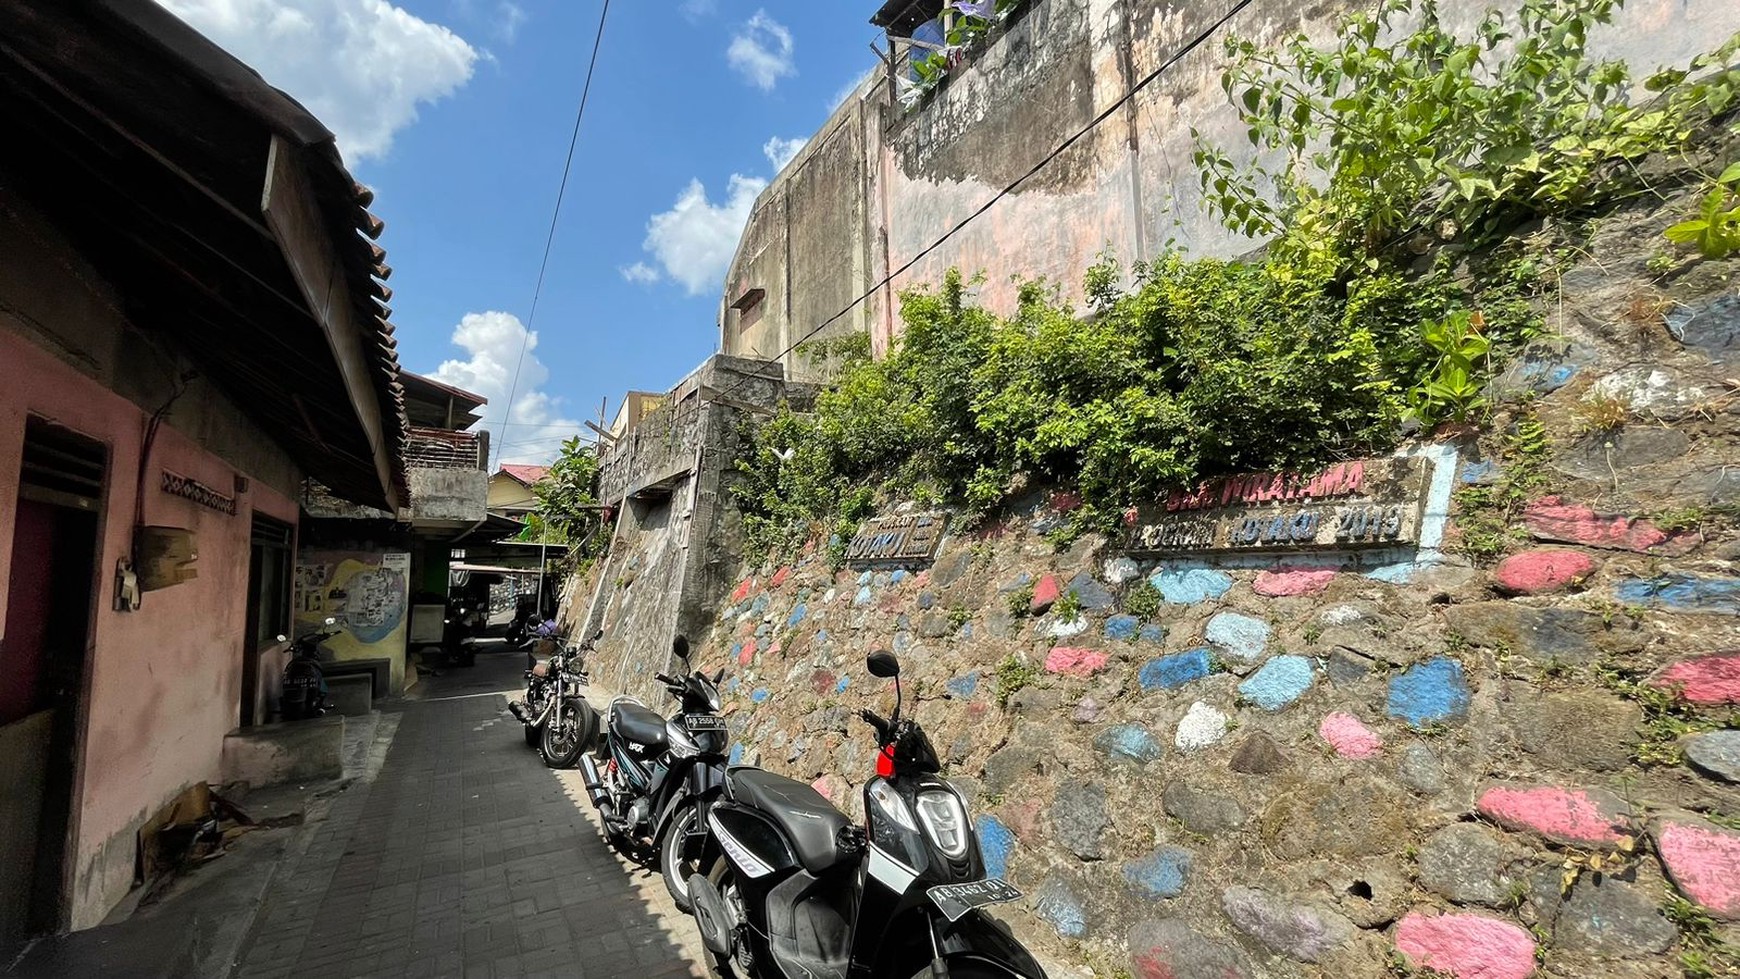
795,890
525,622
567,722
542,682
659,775
305,693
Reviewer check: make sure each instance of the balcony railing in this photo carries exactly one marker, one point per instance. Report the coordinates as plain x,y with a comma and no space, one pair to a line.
438,448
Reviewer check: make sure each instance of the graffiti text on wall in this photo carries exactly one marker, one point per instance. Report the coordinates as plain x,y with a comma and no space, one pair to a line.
192,489
897,540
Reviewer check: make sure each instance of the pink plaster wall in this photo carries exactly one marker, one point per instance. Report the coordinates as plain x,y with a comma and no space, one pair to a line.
165,681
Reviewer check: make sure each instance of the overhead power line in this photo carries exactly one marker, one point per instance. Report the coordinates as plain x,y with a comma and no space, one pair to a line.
1105,114
555,213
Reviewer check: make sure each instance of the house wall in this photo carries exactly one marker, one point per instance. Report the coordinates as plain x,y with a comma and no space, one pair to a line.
877,184
508,493
368,590
163,683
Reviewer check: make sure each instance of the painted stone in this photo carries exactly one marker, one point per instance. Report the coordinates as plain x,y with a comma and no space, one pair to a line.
1175,948
996,842
1152,632
822,681
1291,584
1079,818
1121,569
1201,812
747,655
841,686
759,606
1065,628
1466,863
1571,817
736,755
1716,754
1172,672
1122,626
1466,946
1045,594
1087,711
1683,593
863,597
1201,726
831,787
797,615
760,695
1432,692
1190,586
1551,518
1128,743
829,596
763,630
1711,680
1703,861
1340,615
1069,661
1477,471
732,685
963,686
1089,592
1238,635
1281,681
1349,736
780,576
1297,931
1055,904
1259,755
1711,327
865,578
741,592
1542,572
897,577
1160,874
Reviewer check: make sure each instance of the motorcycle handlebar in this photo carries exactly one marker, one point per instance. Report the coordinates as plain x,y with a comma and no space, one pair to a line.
876,721
669,681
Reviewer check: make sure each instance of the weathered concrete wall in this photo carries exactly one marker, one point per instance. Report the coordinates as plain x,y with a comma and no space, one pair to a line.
835,222
448,494
1348,763
164,683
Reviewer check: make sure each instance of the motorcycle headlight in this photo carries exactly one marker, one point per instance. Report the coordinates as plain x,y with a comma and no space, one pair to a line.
945,821
890,804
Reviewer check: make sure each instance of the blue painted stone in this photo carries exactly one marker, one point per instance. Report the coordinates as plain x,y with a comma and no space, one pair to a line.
736,651
1161,873
762,601
1281,681
966,630
760,695
1056,905
864,579
1122,626
1191,585
763,630
1430,692
926,600
1683,592
821,635
1172,672
1153,632
1397,574
1482,471
797,615
902,641
863,596
898,576
732,684
736,755
845,682
1088,590
965,684
1128,743
1017,583
995,843
1240,635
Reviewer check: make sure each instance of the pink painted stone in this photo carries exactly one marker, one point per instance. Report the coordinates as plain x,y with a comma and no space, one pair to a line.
1070,661
822,682
1542,571
1466,946
1045,593
1065,502
779,576
1350,737
748,655
1023,818
1288,584
977,708
831,787
774,649
1551,518
742,590
1704,863
1711,680
1574,817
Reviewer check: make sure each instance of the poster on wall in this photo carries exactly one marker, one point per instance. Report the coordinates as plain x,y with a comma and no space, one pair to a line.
366,591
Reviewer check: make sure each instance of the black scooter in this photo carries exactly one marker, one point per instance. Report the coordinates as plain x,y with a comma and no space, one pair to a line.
305,693
660,776
798,892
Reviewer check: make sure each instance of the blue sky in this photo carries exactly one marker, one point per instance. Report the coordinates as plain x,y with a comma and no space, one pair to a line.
458,114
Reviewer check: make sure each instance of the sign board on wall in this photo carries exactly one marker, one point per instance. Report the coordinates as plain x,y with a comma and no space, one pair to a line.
366,591
902,539
1357,504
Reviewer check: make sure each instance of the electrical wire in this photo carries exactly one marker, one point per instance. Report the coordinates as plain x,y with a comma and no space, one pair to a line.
556,213
1122,100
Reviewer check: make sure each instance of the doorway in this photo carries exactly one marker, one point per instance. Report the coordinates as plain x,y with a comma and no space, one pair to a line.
42,666
268,605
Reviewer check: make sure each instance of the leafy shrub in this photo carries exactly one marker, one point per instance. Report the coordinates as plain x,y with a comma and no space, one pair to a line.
1143,600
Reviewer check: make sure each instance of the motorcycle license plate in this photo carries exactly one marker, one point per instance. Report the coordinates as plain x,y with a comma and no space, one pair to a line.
955,900
704,722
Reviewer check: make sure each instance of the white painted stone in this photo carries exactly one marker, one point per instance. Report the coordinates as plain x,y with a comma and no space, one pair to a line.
1063,630
1642,388
1341,615
1121,569
1202,726
829,596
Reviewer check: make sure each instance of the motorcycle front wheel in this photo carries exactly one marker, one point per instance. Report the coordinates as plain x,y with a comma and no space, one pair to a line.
565,739
675,869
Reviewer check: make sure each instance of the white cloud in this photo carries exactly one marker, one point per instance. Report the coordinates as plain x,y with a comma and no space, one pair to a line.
695,239
510,17
779,151
493,341
696,10
761,50
362,66
640,272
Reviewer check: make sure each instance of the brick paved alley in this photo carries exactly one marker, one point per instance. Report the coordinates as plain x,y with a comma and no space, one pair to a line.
464,856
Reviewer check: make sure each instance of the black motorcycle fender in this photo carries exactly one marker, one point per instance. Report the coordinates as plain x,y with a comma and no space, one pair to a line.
984,941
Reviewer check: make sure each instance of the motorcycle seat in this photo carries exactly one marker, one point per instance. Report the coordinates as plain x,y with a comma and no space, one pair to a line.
542,668
810,822
637,724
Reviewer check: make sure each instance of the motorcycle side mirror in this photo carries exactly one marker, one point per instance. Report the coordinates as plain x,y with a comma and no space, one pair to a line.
680,648
882,663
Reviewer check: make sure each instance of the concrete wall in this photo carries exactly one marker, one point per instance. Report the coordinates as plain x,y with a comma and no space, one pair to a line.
878,184
448,494
368,591
508,493
163,682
